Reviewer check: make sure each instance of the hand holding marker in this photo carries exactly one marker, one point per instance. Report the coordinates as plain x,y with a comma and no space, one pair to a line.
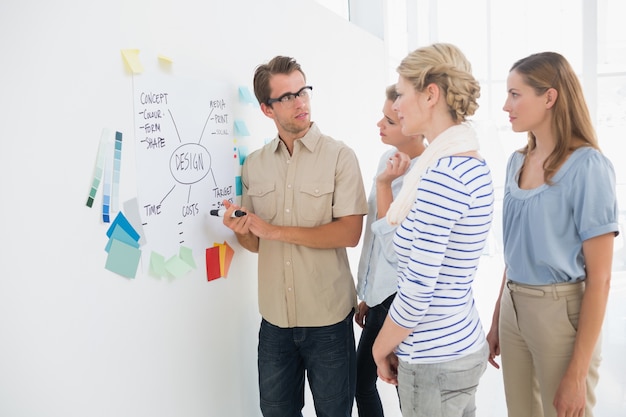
221,212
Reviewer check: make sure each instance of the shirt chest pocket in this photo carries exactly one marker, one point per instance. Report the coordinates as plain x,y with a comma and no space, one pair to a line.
263,197
316,203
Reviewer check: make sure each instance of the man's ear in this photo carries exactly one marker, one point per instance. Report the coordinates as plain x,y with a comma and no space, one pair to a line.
267,110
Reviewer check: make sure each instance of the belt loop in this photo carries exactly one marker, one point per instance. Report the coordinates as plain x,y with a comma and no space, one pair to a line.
555,294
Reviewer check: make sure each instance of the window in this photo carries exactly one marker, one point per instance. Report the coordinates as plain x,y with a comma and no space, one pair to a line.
493,35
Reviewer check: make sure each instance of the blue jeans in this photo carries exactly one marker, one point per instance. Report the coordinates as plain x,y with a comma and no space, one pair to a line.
367,397
446,389
327,354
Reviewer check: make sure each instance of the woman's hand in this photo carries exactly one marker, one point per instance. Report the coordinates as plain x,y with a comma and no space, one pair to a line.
493,340
388,369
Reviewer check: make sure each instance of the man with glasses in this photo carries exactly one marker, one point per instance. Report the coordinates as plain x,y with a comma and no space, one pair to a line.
305,200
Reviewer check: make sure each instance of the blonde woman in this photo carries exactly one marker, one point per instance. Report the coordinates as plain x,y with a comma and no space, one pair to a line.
432,343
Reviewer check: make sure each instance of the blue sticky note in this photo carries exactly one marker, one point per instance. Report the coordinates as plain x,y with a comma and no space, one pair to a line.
241,129
246,96
243,154
122,235
122,222
238,187
123,259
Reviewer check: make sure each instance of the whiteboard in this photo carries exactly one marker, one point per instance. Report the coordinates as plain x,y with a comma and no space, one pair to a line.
186,160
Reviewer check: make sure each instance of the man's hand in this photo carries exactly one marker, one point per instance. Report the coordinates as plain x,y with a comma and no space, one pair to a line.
241,227
361,313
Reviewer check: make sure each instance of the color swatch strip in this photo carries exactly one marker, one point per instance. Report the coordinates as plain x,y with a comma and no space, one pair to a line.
97,175
117,162
106,196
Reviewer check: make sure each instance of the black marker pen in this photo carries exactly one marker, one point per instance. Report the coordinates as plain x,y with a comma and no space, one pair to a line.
221,212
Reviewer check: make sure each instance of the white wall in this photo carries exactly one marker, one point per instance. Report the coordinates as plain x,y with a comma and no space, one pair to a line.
76,339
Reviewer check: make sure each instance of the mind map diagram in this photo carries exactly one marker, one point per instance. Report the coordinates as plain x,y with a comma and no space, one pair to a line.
185,161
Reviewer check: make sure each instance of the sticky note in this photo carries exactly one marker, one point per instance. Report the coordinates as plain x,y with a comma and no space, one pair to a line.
164,58
131,210
218,260
241,129
245,96
226,256
131,58
121,221
243,154
185,254
238,186
123,259
157,265
213,263
122,235
177,267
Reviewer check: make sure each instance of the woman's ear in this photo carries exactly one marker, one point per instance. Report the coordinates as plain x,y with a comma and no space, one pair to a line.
432,92
551,95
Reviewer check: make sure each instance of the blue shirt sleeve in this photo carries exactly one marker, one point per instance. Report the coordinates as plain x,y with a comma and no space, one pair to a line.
594,197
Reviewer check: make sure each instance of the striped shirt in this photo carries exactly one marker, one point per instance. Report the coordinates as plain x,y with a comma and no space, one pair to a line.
439,245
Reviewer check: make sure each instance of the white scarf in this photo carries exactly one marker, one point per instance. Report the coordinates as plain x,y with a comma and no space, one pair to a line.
456,139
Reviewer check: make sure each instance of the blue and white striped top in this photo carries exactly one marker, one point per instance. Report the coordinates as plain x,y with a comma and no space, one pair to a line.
439,245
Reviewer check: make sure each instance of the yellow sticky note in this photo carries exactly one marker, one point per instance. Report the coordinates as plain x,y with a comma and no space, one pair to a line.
226,255
131,57
164,58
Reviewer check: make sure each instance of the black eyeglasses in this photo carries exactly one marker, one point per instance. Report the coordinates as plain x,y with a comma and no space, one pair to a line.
288,99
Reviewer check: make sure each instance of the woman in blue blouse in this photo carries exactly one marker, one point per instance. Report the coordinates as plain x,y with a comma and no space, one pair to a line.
377,267
560,219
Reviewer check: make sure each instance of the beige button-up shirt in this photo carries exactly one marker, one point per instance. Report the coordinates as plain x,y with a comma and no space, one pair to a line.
301,286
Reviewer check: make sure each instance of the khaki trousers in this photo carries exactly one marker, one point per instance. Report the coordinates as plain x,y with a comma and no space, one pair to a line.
537,332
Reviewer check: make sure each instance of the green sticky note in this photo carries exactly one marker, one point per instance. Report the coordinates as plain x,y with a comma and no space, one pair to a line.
177,267
187,256
123,259
157,265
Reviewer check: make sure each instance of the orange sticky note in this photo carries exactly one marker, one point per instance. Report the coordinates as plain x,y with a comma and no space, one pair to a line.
226,257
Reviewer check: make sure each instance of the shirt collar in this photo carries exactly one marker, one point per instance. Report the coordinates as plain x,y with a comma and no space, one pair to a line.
309,140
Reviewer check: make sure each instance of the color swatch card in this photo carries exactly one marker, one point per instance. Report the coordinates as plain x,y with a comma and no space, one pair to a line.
107,172
218,260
